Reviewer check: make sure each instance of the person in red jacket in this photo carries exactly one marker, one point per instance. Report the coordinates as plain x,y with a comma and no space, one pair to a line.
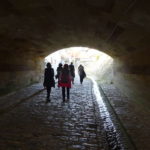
65,81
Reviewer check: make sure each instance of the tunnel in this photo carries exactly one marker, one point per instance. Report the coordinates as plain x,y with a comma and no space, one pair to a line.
31,30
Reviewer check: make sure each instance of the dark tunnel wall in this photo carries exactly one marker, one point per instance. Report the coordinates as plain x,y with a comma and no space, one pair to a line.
17,71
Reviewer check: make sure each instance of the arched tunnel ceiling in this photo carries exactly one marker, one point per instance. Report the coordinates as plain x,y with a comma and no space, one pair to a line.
41,26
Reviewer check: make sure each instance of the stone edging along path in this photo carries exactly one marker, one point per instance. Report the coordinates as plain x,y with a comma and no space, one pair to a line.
10,101
133,117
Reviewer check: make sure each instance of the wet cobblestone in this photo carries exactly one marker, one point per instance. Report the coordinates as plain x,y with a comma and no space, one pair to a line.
37,125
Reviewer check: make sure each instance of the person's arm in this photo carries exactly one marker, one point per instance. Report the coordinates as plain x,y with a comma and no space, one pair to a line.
52,72
44,83
84,74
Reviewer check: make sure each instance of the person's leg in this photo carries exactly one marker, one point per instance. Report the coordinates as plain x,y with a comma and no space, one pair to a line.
68,93
63,93
72,78
80,79
58,83
48,92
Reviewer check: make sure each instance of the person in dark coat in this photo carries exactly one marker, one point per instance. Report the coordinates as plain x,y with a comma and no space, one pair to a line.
59,70
65,81
81,73
49,81
72,72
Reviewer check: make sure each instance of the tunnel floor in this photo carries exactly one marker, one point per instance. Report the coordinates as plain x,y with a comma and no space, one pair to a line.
28,122
35,124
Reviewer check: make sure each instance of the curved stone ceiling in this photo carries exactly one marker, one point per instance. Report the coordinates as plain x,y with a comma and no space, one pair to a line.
42,26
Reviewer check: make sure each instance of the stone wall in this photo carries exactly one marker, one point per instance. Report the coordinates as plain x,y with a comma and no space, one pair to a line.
19,71
129,73
132,76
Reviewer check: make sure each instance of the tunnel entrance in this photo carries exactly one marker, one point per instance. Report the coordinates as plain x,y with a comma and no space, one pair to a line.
98,65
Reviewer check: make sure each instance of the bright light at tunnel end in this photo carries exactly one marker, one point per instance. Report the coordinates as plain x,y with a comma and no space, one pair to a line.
96,63
92,59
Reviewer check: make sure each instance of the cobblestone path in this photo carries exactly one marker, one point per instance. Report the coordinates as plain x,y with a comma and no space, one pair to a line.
37,125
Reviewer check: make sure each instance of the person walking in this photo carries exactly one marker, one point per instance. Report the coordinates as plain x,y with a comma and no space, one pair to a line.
81,73
59,70
49,81
72,72
65,82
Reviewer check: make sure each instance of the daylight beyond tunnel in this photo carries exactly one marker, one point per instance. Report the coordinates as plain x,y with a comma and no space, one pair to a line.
97,65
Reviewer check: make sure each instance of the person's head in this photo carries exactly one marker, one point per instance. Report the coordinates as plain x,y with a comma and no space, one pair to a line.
48,65
60,64
66,66
71,63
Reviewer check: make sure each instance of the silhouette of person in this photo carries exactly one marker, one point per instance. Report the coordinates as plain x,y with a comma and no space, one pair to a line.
72,72
48,79
81,73
59,70
65,81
